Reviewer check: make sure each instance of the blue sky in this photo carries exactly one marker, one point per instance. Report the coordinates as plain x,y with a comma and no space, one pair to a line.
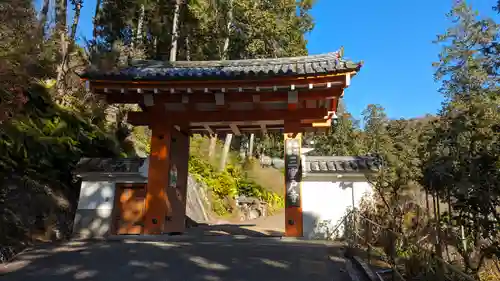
392,37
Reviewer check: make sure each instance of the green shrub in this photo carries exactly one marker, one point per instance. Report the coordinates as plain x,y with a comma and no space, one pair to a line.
227,184
39,150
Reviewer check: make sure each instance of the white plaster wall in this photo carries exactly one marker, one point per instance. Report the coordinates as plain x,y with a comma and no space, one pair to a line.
96,195
95,206
324,204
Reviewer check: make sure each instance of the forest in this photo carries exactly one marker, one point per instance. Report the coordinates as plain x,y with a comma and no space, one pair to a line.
48,120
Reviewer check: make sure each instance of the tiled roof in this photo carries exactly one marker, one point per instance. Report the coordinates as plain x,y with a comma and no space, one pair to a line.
231,69
313,164
341,164
109,165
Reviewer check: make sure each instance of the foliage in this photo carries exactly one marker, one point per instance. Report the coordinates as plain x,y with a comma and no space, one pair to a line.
257,28
343,140
463,152
441,173
270,144
227,184
451,159
53,140
41,139
453,156
20,64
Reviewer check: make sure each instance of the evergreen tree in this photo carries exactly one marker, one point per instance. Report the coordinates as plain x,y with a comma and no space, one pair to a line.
463,154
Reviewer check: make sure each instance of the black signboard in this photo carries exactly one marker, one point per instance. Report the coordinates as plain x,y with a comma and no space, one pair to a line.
293,172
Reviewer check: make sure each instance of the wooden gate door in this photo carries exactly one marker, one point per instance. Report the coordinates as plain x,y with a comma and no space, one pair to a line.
129,208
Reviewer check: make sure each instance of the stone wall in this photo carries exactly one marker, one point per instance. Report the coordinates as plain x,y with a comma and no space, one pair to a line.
198,206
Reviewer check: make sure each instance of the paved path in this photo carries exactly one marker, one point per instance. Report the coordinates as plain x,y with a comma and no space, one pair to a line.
208,252
275,222
211,259
262,227
270,226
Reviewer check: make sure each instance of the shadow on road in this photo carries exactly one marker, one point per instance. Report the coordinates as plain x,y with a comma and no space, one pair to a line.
250,230
209,259
224,252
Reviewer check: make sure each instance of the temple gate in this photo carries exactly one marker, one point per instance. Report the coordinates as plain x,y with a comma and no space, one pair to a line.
291,95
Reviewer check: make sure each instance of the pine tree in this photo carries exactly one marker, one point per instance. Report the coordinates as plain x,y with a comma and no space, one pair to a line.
463,154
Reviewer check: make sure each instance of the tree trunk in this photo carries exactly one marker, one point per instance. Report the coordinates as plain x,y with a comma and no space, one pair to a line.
438,246
225,151
96,15
61,10
224,56
175,35
228,30
212,146
43,16
243,146
67,44
140,24
250,148
188,47
76,20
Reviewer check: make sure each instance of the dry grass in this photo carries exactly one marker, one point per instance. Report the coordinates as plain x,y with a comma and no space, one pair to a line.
490,270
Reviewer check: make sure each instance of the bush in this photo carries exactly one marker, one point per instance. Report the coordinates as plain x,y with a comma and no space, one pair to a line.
226,185
38,151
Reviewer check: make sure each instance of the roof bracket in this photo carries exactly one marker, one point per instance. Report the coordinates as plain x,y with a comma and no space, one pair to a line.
148,100
348,79
209,130
235,130
293,99
331,115
263,128
219,98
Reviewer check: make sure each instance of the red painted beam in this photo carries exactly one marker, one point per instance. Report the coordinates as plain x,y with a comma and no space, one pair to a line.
229,97
146,118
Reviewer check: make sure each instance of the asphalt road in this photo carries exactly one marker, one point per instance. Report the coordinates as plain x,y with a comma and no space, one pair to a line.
208,259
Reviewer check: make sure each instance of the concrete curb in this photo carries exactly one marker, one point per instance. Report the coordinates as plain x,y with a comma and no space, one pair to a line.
198,238
352,272
187,238
292,241
367,271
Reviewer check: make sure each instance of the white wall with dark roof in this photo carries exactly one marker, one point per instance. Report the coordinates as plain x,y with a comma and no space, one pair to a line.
325,203
95,206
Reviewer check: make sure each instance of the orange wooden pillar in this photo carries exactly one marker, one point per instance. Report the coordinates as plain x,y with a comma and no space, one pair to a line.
293,180
177,189
157,203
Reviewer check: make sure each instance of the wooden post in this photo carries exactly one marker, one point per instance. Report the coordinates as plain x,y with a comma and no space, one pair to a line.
368,241
175,222
157,203
293,180
354,218
392,249
438,246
